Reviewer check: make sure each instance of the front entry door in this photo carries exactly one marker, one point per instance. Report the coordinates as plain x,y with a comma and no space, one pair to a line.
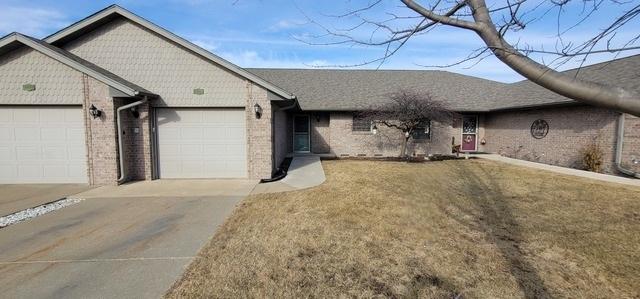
469,133
301,142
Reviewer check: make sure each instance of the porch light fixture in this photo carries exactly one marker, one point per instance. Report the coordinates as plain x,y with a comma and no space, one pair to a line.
374,129
258,110
94,112
134,112
406,134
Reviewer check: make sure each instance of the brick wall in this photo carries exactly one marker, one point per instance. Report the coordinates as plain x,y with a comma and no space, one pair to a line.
571,129
102,144
137,140
631,147
344,142
320,132
280,136
259,137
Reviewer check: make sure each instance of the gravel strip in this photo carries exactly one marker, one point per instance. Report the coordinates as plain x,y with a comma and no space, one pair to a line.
37,211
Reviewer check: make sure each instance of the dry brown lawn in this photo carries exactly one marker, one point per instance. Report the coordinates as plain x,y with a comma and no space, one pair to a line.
467,229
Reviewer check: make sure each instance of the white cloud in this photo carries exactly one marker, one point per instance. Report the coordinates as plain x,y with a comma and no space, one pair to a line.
36,22
284,25
250,58
206,44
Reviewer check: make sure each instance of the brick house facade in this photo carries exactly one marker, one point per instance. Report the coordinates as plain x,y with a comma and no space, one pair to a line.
228,122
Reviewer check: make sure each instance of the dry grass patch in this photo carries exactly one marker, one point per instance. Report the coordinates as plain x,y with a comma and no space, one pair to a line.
387,229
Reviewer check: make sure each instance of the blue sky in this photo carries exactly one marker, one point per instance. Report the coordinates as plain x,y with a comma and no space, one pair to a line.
265,33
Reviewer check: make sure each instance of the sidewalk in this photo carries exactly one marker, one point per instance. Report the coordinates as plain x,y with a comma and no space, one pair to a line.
562,170
304,172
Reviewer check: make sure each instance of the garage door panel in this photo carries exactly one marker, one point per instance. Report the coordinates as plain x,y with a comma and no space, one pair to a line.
191,133
75,134
54,153
59,134
6,133
6,116
201,143
42,144
26,115
8,171
27,134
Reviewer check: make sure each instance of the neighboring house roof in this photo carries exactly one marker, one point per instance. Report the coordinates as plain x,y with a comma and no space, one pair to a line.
107,14
344,89
9,42
621,72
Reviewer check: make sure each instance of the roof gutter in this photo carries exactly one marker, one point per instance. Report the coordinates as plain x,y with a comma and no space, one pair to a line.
619,143
123,173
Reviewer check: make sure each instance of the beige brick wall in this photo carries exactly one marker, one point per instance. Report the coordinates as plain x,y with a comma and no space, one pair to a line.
137,140
102,145
571,129
320,132
631,147
344,142
259,137
280,136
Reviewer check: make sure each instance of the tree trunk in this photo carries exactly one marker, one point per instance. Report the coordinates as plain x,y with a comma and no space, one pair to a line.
403,151
592,93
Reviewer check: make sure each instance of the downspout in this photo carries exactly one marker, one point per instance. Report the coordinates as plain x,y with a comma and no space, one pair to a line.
120,146
619,143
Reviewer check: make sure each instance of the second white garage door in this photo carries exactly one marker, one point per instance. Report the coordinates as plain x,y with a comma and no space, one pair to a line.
201,143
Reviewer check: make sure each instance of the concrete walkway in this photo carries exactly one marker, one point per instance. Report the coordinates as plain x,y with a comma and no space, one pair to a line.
561,170
304,172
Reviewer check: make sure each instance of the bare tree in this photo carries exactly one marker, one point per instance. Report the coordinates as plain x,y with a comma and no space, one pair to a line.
491,24
408,112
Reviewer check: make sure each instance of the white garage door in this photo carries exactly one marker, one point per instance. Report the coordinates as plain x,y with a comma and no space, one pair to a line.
42,145
201,143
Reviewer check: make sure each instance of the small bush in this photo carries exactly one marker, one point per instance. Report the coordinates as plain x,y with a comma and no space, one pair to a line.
592,157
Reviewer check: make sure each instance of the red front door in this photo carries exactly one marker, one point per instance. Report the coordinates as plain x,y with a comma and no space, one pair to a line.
469,133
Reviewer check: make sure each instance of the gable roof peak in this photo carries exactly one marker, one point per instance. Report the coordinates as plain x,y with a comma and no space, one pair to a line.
8,42
105,15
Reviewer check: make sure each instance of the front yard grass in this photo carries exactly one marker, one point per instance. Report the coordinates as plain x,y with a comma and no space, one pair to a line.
474,229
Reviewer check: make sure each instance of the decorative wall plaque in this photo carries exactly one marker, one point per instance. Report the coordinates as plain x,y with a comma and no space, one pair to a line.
539,129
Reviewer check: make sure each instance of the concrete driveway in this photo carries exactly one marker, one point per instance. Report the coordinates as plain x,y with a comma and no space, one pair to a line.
128,246
14,198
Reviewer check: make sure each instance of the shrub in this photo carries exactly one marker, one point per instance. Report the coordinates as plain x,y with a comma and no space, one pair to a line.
592,157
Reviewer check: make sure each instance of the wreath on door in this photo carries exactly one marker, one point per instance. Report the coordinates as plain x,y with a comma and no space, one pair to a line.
468,139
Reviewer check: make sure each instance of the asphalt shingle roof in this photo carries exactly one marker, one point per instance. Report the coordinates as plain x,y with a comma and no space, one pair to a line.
340,89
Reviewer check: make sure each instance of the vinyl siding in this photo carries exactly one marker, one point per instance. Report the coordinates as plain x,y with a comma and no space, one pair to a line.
159,65
56,83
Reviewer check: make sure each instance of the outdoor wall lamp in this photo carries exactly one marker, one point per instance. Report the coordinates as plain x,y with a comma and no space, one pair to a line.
406,134
374,130
483,141
258,110
134,112
95,112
